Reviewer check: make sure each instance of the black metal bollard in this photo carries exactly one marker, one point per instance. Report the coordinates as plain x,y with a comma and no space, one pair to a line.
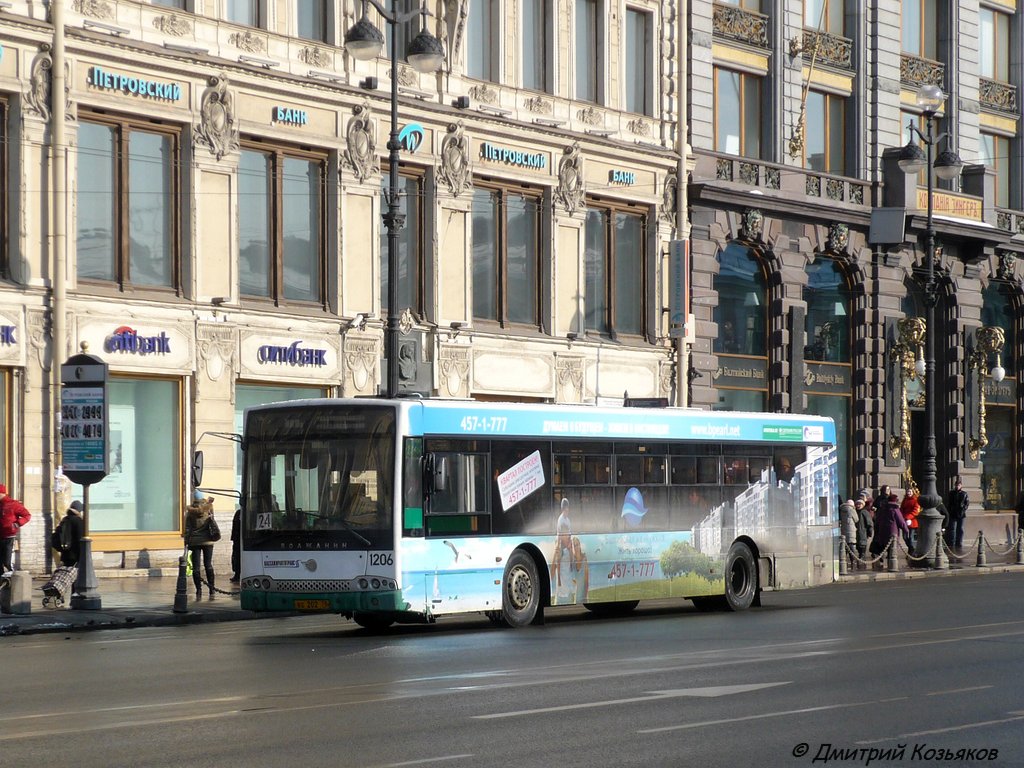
843,555
940,554
891,563
181,590
1020,547
981,562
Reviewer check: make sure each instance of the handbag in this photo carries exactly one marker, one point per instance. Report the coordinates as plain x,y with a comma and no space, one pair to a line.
213,529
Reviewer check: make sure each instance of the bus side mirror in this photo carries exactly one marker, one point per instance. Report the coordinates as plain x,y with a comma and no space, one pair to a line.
197,469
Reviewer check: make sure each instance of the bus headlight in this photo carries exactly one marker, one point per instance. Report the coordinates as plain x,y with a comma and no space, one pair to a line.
266,583
375,583
364,584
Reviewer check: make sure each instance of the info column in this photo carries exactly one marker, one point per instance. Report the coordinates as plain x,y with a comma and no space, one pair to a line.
83,430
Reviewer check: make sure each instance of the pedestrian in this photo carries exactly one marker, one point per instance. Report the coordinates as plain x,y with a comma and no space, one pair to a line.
869,502
865,527
201,531
956,506
888,523
236,545
67,539
848,522
13,517
910,508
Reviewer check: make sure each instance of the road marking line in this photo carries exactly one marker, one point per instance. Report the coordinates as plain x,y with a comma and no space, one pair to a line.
962,690
950,729
712,692
762,716
427,760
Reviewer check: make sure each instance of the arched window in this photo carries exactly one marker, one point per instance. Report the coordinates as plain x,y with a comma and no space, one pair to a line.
999,476
828,313
742,342
829,383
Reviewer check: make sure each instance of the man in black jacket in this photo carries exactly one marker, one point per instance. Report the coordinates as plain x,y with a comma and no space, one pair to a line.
956,506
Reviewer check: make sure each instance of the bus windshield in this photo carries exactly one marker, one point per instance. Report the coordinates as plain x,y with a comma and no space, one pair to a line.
328,470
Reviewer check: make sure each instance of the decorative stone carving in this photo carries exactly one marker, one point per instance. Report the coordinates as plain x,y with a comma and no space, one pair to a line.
37,95
484,94
217,348
723,169
996,95
361,358
538,105
751,224
639,127
750,173
218,129
1007,266
591,116
453,368
406,76
569,376
739,24
669,200
316,56
39,331
838,237
917,71
456,12
455,168
773,178
248,42
570,179
834,189
824,48
361,142
96,9
172,25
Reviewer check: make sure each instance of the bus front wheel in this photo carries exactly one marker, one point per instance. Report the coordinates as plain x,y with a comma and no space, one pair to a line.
740,578
520,593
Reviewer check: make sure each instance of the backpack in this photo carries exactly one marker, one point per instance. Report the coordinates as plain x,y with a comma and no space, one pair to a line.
60,539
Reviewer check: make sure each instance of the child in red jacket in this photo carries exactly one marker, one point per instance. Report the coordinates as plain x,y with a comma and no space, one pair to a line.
911,508
13,517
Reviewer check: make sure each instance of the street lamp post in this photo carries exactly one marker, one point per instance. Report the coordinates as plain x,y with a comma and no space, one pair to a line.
946,166
425,54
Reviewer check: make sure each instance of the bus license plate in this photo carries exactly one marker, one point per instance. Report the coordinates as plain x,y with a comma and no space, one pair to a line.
312,605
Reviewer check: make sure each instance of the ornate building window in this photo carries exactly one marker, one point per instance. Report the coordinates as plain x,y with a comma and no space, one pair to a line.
281,241
738,124
994,44
637,87
826,133
247,12
588,46
614,263
126,208
995,153
918,21
742,341
312,19
506,254
410,243
483,44
831,14
536,36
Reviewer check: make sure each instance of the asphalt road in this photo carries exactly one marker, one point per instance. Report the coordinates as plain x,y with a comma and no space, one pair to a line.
931,664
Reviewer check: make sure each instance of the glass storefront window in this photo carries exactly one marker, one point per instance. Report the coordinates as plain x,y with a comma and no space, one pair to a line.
248,395
998,490
140,492
996,311
837,409
752,400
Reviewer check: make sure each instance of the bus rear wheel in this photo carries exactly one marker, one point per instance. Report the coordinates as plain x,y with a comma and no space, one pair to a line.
375,622
740,578
520,592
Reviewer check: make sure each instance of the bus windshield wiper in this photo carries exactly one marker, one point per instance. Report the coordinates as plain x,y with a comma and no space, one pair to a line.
355,533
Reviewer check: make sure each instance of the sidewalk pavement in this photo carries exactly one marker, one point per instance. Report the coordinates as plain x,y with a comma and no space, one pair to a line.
129,598
145,598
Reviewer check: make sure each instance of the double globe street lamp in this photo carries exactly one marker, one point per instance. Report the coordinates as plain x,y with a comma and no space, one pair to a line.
947,165
425,54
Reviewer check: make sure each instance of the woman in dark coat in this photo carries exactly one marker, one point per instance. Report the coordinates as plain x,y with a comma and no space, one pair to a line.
199,538
888,522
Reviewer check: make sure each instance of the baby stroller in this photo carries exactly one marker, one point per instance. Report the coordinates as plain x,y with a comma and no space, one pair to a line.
60,583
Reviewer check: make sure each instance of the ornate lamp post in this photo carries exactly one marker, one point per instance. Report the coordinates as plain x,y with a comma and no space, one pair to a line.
425,54
947,165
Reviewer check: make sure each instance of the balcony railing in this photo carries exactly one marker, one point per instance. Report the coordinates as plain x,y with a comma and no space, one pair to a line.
783,178
740,25
915,70
832,50
997,95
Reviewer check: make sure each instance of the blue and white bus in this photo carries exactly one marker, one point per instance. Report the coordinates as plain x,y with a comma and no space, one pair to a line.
405,510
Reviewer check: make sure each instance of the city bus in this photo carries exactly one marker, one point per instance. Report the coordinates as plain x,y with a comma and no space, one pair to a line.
406,510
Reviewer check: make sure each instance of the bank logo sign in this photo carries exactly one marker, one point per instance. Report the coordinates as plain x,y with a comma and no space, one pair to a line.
411,137
133,86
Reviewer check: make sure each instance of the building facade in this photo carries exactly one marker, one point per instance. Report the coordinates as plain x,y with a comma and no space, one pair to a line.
220,220
203,211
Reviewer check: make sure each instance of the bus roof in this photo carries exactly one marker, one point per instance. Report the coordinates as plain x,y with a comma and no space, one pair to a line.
469,418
